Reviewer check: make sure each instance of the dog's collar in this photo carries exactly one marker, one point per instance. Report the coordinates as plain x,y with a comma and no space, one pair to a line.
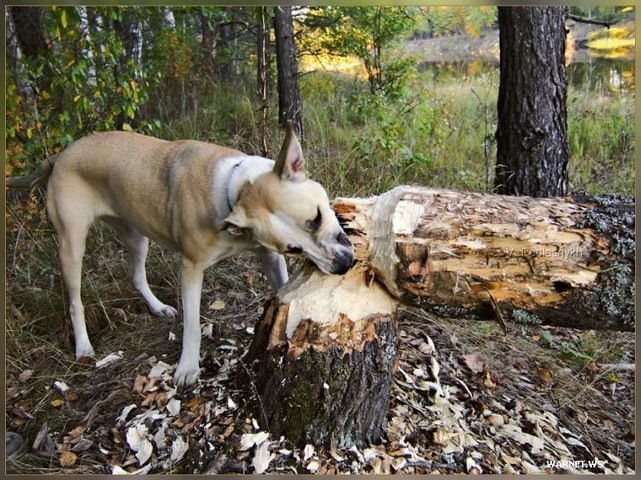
231,202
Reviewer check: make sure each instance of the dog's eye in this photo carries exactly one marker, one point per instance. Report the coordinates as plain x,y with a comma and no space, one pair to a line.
313,225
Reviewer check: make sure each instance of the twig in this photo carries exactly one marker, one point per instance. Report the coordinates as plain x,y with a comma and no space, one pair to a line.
591,21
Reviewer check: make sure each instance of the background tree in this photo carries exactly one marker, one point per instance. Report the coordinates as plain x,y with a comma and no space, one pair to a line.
289,99
532,152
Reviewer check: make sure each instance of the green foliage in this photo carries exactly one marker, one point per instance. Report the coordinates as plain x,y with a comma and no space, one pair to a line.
440,21
82,83
365,32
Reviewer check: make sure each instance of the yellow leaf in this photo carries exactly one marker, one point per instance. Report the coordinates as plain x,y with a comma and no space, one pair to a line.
76,98
63,19
29,133
58,402
127,128
217,305
67,458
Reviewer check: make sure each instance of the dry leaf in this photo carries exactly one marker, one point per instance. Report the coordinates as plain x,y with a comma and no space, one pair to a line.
58,402
262,457
248,440
139,384
474,362
137,441
544,375
217,305
67,458
112,357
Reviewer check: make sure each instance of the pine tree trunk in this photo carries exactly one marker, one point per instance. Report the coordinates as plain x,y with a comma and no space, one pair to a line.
532,154
289,99
567,262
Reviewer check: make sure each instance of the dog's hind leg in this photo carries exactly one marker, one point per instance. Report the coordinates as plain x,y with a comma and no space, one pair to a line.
72,225
137,246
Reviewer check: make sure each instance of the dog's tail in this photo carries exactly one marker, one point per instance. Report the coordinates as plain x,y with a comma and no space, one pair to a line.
37,178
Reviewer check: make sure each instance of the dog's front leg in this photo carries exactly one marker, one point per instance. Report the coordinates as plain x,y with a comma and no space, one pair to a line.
188,369
274,266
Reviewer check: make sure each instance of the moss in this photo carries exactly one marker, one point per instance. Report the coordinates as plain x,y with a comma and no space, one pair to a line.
525,318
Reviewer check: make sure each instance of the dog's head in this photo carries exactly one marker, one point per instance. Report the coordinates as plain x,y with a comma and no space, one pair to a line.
285,211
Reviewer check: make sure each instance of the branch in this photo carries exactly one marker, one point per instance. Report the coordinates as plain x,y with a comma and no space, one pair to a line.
591,21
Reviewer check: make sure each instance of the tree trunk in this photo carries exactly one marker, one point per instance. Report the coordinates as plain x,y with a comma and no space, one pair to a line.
532,154
567,262
289,99
262,49
323,358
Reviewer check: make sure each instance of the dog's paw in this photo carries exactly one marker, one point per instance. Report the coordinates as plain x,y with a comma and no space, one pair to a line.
165,311
84,349
184,376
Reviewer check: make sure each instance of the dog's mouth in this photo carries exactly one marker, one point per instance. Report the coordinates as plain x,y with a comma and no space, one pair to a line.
334,261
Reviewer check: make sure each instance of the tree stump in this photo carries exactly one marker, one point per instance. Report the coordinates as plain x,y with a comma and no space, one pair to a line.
323,358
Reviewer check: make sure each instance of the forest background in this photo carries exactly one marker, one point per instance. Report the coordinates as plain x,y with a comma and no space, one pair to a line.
390,94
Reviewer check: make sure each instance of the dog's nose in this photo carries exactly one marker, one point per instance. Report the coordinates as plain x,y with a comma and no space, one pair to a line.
342,263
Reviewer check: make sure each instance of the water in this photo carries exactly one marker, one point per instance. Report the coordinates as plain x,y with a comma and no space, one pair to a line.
596,74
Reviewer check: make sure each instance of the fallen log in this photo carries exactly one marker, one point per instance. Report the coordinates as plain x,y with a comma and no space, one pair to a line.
567,262
324,351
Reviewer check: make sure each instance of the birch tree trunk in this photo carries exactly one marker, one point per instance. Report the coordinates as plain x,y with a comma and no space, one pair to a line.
557,261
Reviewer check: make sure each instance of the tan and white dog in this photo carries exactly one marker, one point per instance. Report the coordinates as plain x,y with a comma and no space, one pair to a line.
205,201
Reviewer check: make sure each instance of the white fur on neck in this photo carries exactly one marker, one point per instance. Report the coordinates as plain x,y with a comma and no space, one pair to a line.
229,179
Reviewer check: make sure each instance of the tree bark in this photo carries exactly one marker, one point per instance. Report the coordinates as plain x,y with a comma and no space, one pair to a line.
567,262
323,359
289,99
532,153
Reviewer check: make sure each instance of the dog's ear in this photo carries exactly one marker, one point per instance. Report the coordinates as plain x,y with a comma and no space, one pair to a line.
290,164
236,221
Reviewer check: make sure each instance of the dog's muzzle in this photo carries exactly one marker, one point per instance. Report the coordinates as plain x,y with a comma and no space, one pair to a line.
342,263
344,255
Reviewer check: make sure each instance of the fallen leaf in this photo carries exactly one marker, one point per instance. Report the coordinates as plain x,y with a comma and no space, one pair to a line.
544,375
67,458
217,305
262,458
112,357
58,402
178,449
137,441
248,440
474,362
139,384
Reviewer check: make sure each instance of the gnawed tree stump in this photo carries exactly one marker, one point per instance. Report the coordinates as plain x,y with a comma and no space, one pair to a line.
323,357
324,351
557,261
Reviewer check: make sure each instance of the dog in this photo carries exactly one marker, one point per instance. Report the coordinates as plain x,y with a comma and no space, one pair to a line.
202,200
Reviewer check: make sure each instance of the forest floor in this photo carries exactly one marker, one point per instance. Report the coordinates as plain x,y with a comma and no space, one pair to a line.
532,400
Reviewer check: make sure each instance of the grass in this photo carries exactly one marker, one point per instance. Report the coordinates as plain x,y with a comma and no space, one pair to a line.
441,134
